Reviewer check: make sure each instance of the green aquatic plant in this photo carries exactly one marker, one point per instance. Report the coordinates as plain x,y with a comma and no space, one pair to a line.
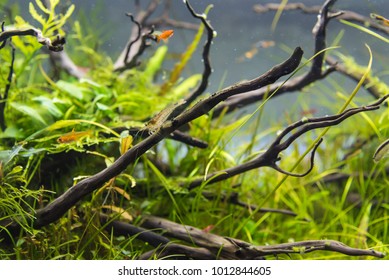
88,162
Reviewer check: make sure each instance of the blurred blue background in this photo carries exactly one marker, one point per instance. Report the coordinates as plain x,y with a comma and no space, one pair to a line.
238,28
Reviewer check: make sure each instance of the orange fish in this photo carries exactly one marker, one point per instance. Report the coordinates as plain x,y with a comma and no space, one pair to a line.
266,44
73,136
164,35
308,112
208,228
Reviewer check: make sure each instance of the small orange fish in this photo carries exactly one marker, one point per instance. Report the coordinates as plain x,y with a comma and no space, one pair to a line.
208,228
308,112
164,35
73,136
266,44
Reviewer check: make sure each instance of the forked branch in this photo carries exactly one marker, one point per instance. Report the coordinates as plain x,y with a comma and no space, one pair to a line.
55,46
64,202
271,155
315,73
230,248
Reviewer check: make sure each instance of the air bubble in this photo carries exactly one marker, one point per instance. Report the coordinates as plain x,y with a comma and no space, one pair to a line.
214,34
184,1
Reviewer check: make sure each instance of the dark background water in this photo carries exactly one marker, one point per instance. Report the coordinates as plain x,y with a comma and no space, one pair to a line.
238,28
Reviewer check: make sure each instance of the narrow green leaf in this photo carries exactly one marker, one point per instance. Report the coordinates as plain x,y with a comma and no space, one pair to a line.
184,87
42,7
53,4
35,14
366,30
49,105
69,12
29,111
155,62
72,89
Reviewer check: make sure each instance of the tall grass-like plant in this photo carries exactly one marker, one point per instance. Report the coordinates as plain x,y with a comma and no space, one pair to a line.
62,131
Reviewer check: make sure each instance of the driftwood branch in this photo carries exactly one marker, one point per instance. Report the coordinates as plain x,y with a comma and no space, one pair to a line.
163,246
271,155
229,248
314,74
165,19
205,55
143,25
211,245
61,60
59,206
370,87
140,42
343,14
141,17
2,45
55,46
179,136
4,97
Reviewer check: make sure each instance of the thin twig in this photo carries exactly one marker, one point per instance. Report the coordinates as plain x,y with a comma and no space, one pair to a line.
141,17
3,99
55,46
139,27
315,72
206,62
345,15
5,41
271,155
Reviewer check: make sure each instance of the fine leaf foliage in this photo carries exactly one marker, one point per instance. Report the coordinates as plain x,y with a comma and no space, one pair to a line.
105,144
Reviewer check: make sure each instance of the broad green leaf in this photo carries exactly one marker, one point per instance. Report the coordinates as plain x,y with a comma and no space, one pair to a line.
15,170
7,155
72,89
102,106
11,132
185,86
49,105
29,111
155,62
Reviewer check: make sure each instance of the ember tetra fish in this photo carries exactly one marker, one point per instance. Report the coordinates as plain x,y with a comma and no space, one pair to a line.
73,136
164,35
